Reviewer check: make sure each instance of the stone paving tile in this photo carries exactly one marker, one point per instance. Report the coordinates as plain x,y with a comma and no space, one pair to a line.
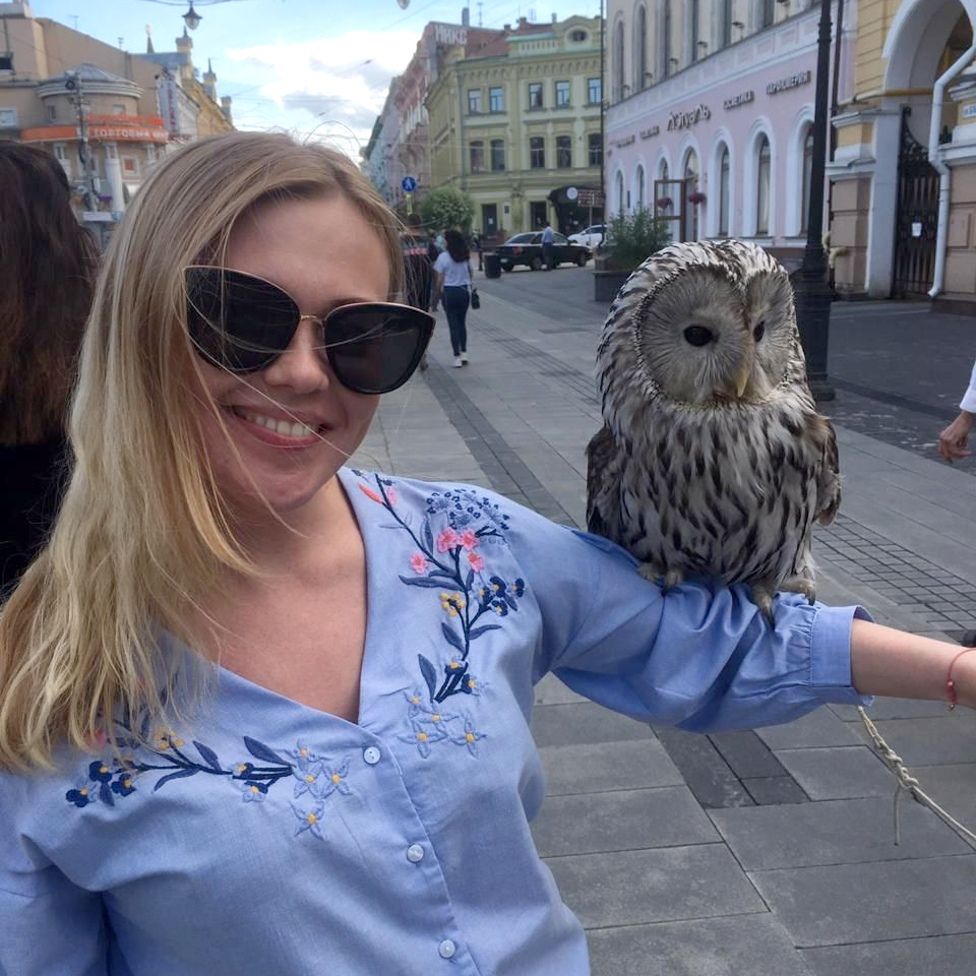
747,755
952,787
818,728
946,955
832,832
621,820
846,903
627,765
746,945
666,884
775,789
587,723
551,691
838,773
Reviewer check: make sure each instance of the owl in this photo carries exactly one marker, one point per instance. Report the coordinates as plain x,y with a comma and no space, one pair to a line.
713,460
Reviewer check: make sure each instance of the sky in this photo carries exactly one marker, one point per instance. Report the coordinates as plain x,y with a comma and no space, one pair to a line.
320,69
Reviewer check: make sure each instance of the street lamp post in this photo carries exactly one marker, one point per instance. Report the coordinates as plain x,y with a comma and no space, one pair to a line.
813,295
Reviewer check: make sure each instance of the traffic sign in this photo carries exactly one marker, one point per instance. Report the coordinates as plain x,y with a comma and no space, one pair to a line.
409,184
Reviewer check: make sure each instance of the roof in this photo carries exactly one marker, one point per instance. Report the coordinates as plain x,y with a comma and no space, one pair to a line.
90,72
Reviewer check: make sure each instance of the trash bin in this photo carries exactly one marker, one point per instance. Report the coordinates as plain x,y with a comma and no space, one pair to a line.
493,265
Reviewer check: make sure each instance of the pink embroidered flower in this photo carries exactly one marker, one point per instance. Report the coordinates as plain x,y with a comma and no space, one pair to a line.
418,563
468,539
369,493
446,540
476,561
391,495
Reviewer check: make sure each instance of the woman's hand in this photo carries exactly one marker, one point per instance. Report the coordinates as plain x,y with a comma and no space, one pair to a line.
955,438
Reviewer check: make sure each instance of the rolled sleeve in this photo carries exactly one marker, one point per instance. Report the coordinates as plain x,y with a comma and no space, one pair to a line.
969,397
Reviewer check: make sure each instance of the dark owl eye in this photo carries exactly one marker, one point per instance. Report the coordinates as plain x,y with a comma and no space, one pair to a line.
698,335
760,330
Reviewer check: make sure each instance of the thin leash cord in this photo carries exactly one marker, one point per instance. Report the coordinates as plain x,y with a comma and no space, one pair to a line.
907,783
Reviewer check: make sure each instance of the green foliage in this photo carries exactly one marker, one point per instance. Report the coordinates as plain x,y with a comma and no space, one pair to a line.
631,238
447,207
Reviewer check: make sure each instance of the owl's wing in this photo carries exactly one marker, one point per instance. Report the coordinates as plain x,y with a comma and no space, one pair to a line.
828,482
602,500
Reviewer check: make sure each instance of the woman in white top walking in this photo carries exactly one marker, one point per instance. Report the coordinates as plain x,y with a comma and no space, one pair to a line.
453,274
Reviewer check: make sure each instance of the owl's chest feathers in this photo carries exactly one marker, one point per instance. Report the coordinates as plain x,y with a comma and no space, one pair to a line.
728,492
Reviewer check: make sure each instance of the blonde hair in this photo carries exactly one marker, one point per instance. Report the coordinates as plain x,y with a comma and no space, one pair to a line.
142,525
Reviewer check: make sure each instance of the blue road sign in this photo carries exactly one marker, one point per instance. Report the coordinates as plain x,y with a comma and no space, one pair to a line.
409,184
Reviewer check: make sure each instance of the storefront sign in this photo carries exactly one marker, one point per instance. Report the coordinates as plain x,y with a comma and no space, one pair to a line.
626,141
125,134
784,84
654,130
743,98
449,34
685,120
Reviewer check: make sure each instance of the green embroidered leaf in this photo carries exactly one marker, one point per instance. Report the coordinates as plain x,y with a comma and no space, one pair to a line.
209,756
428,535
430,675
451,637
478,631
431,584
182,774
260,751
105,792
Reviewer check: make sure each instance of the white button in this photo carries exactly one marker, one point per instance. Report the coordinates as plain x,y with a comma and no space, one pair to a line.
447,949
371,755
415,853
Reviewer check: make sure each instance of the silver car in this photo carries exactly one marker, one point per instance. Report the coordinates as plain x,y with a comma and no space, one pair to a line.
589,236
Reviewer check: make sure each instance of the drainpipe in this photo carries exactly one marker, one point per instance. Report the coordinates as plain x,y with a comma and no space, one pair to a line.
945,174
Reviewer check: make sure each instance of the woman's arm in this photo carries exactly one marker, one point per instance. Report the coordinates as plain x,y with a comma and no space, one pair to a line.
900,665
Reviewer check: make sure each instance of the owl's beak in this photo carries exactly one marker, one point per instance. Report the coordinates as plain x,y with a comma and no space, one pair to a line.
742,380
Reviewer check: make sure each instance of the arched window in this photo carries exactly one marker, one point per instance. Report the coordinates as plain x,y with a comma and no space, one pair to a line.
806,175
763,168
640,49
620,192
691,186
639,179
663,170
618,61
724,192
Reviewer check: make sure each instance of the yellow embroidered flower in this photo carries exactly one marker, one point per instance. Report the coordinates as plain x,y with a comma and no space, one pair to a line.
452,603
422,736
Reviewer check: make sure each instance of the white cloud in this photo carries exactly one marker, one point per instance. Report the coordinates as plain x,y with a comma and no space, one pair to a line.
337,82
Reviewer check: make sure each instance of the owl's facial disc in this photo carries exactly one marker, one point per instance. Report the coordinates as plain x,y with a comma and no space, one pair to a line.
693,338
769,313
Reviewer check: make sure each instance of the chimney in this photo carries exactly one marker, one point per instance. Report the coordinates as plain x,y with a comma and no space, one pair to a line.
465,16
210,81
225,101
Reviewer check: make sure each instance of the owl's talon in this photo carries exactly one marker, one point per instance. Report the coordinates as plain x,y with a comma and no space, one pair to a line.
650,572
763,599
801,584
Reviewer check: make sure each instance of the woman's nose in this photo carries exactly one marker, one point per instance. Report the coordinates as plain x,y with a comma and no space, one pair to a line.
301,366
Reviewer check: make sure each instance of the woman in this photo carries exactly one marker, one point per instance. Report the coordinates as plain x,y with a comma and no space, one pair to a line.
453,283
47,263
286,702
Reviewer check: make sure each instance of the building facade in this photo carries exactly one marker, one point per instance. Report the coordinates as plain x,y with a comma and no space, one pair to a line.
710,114
903,175
517,126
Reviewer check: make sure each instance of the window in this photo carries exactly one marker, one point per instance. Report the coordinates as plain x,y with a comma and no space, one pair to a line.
130,166
474,101
538,214
594,91
806,180
767,13
762,186
60,152
667,57
476,152
562,94
639,178
496,99
618,61
52,113
725,24
640,49
6,61
724,192
489,219
578,35
694,15
535,94
118,110
537,153
8,118
619,187
497,155
664,170
691,186
150,153
564,152
595,146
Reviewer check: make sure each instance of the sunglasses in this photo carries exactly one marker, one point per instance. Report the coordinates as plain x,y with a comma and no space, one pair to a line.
242,323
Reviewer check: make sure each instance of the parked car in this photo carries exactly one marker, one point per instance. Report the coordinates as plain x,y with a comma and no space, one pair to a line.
527,249
589,237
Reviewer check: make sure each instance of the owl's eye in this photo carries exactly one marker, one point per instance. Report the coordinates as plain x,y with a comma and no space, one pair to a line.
760,330
698,335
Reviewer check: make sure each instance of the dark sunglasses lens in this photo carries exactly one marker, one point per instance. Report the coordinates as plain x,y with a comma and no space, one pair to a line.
237,321
376,348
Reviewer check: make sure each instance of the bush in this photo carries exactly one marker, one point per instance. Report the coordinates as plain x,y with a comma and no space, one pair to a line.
447,207
631,238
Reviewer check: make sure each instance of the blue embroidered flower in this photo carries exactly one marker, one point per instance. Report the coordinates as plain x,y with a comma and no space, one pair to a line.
80,797
309,820
98,772
422,736
309,780
469,737
253,791
124,785
334,779
242,770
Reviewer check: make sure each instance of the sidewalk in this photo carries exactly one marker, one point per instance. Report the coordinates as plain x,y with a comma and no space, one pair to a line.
766,853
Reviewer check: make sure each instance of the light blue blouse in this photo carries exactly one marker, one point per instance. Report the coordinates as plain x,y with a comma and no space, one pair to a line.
272,838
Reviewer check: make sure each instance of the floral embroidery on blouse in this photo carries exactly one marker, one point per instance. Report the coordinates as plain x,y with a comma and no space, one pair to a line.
315,777
430,724
450,557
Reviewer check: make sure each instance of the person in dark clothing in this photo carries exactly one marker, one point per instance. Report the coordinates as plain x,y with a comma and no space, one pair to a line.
47,264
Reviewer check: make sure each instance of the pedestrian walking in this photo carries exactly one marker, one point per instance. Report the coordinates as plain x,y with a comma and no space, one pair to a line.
954,440
452,271
261,711
476,247
419,254
548,247
47,264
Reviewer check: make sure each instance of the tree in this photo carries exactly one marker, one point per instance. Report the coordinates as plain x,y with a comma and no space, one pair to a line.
446,207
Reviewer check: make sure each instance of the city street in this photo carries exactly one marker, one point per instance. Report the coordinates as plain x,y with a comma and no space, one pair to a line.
766,852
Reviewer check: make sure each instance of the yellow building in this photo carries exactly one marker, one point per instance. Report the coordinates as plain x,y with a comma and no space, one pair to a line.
903,175
518,126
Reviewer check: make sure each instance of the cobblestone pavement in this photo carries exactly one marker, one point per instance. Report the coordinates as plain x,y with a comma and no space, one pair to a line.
759,852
